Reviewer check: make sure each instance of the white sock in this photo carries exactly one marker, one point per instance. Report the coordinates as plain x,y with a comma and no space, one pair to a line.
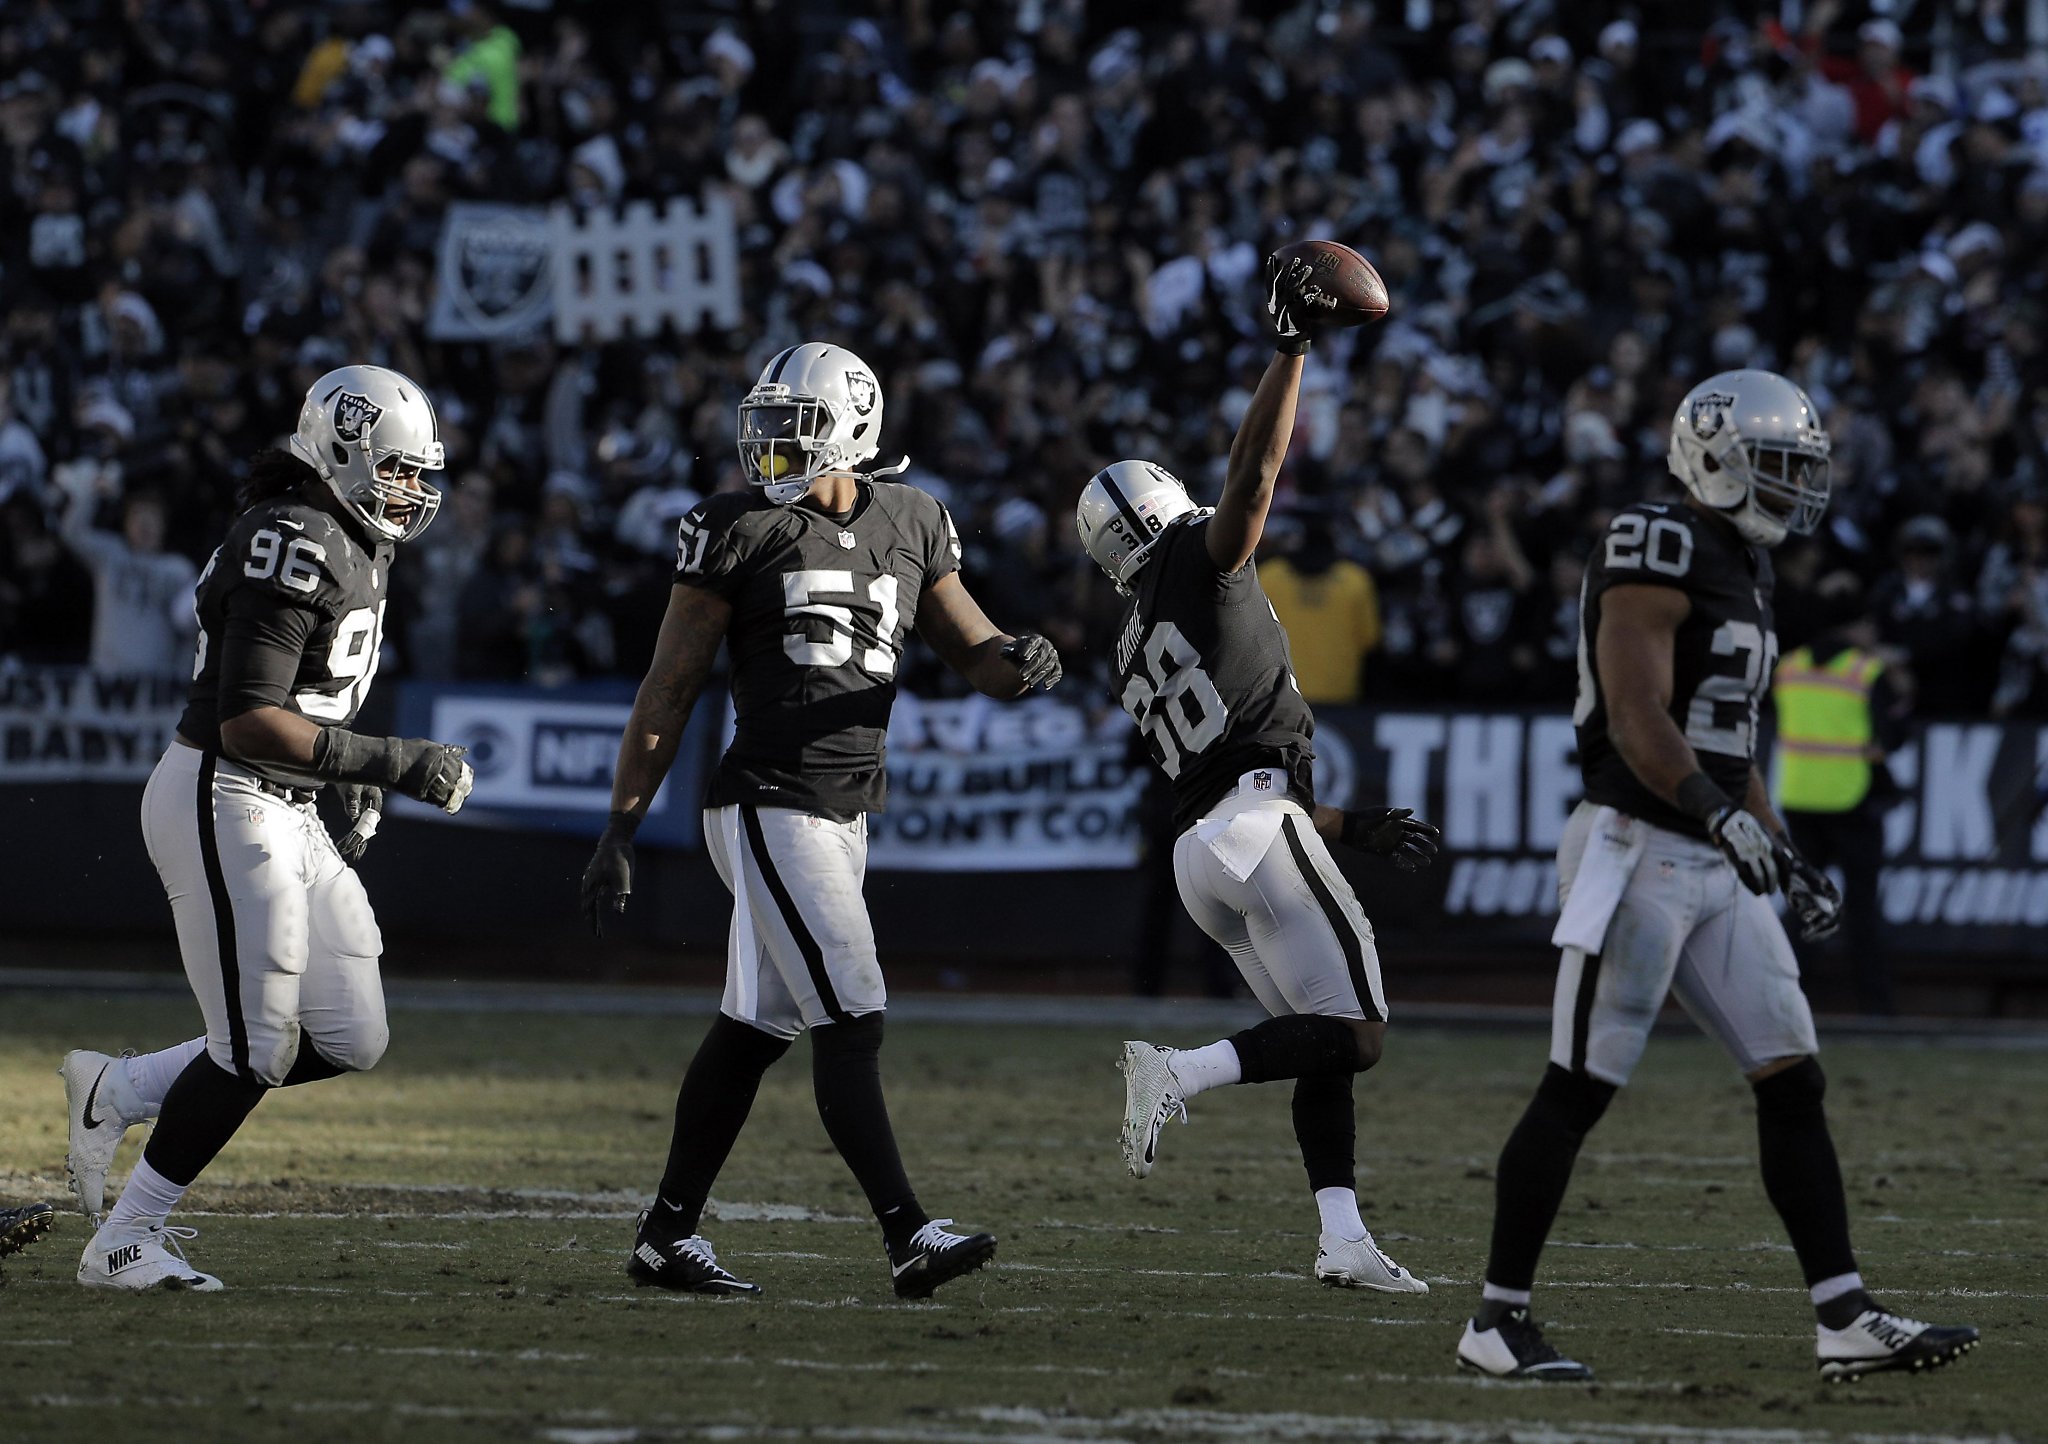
1835,1287
1197,1070
1339,1208
148,1198
1505,1296
152,1074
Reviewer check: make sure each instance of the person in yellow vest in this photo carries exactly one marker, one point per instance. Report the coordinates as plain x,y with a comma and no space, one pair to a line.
1838,717
1330,610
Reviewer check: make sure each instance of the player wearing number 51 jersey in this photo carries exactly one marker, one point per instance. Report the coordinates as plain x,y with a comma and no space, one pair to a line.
1665,869
813,580
276,933
1203,668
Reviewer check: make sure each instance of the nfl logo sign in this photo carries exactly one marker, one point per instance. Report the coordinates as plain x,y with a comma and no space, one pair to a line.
846,540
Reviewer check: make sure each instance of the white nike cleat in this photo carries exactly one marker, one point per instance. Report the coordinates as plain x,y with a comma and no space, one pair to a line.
142,1256
1357,1263
1878,1341
1151,1096
1514,1348
103,1106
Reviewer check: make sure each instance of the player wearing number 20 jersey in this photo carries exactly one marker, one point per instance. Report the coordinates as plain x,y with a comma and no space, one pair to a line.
1202,666
274,927
812,580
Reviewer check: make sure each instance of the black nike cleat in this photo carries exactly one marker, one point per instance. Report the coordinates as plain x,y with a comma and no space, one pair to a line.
1879,1341
20,1227
935,1257
1515,1348
685,1265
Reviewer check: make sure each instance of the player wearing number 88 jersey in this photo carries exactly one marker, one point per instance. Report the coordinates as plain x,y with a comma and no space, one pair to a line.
278,940
1202,666
812,579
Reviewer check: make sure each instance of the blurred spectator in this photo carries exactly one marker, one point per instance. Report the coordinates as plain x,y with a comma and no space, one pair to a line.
1330,609
1041,223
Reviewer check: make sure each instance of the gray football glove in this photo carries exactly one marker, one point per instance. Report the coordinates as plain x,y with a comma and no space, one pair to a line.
364,808
608,880
1811,897
1748,844
1035,659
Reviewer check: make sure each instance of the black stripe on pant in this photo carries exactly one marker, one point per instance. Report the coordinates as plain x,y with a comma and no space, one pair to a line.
223,919
806,943
1340,923
1582,1010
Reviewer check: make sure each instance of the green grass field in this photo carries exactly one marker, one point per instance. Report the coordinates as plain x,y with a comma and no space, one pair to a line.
434,1251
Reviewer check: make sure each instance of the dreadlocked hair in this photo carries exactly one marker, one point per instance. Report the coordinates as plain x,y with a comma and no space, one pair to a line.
272,472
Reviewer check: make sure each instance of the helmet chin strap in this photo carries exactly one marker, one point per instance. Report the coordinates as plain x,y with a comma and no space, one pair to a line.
897,470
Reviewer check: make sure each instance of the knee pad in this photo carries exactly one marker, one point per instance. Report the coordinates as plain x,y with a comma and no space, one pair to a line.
360,1050
1799,1087
1573,1101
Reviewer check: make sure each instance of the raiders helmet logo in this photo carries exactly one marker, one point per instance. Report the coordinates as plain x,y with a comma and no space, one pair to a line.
354,415
1710,414
860,390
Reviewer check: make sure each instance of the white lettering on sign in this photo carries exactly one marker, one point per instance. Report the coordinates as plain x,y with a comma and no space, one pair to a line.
1410,741
1554,782
1955,808
1483,783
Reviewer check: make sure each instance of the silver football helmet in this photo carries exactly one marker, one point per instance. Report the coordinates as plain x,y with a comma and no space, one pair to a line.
370,433
815,409
1750,445
1124,509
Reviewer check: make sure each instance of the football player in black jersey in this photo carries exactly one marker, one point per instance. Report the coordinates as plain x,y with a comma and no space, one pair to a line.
277,936
812,578
1666,868
1203,668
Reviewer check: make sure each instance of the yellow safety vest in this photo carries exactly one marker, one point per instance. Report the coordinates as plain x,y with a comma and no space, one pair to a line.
1824,729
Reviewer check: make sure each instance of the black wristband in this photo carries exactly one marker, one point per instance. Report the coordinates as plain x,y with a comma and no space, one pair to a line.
1699,796
1292,345
344,756
620,827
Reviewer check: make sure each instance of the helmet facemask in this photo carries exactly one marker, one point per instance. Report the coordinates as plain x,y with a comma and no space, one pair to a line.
787,441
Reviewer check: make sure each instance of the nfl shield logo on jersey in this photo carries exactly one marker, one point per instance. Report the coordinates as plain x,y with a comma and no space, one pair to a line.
354,415
846,540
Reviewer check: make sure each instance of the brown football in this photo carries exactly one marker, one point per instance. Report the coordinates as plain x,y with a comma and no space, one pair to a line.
1346,290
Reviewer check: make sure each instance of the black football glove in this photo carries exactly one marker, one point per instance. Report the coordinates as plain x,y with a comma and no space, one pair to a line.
608,881
1395,833
1811,897
1035,660
364,808
1286,313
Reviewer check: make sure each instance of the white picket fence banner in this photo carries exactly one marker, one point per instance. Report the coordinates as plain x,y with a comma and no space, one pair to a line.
636,270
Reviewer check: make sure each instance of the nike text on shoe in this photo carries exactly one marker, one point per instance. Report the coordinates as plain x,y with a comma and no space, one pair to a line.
20,1227
1151,1096
1357,1263
686,1265
1878,1341
138,1257
1515,1349
935,1257
98,1124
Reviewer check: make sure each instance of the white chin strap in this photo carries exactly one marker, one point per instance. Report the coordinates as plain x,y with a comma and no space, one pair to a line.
897,470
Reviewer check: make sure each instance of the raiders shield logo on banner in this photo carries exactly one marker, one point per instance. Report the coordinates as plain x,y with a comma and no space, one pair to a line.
354,415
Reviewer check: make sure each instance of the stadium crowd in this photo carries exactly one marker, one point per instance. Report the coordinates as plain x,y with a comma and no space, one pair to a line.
1042,223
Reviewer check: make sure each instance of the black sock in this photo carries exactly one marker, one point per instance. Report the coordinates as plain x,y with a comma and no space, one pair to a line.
202,1109
1535,1169
711,1107
846,1072
1327,1129
1844,1309
1300,1045
1801,1174
311,1066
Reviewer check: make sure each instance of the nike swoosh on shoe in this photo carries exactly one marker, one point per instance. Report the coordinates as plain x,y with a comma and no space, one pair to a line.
92,1093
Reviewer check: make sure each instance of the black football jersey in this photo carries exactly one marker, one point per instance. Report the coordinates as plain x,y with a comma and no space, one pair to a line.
820,611
1203,668
1721,659
291,614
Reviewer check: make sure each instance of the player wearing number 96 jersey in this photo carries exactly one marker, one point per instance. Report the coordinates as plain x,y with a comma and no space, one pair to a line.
276,933
812,579
1203,668
1664,872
